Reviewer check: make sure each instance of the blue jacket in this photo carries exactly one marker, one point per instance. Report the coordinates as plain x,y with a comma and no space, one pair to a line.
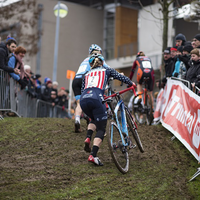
11,63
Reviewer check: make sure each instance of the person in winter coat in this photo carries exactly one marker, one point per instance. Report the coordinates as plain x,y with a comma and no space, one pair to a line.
16,61
194,70
5,50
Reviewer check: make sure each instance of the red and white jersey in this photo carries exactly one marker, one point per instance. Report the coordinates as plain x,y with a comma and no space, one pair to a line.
95,78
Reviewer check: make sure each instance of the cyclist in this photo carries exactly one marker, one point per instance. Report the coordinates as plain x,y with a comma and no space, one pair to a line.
77,83
145,69
93,88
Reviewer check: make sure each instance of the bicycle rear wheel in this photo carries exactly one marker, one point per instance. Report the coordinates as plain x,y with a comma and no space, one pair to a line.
132,128
149,110
118,152
138,111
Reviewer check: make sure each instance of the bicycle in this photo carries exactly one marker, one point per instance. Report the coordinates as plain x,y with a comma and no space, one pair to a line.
143,112
120,124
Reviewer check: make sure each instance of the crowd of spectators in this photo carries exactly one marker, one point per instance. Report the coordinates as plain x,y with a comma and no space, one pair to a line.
182,61
11,61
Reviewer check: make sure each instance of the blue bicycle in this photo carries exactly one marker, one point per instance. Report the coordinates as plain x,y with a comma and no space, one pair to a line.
120,124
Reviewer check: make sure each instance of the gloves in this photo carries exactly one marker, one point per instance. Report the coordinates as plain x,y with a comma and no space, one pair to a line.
176,74
22,83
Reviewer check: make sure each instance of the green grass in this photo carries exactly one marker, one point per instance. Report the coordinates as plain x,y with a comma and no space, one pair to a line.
44,159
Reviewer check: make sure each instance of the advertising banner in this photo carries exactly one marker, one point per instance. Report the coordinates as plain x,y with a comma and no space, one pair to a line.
178,109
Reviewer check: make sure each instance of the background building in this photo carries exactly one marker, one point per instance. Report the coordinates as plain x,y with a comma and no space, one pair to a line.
120,27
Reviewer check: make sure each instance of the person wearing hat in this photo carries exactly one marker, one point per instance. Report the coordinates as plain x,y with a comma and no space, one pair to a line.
194,69
46,94
5,50
180,40
38,84
168,62
185,57
55,87
168,65
196,41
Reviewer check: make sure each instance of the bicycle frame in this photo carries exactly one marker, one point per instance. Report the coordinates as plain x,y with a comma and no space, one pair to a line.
120,107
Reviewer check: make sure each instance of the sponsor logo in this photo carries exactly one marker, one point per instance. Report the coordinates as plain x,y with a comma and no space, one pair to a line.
90,91
146,70
87,96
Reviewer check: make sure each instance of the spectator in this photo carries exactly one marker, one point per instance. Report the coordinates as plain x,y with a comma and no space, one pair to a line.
55,87
196,41
180,68
54,98
168,65
180,40
5,50
62,96
38,84
46,94
16,61
30,88
186,55
173,52
194,69
43,86
62,101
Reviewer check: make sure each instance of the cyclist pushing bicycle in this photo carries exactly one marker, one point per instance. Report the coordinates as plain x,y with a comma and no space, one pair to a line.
145,69
93,88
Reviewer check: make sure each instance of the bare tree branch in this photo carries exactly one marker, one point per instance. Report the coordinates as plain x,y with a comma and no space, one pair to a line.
148,10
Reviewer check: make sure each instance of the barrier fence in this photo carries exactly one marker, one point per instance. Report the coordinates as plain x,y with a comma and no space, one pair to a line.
178,109
15,100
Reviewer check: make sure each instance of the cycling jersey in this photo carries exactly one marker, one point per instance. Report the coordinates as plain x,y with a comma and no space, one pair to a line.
145,69
77,82
98,78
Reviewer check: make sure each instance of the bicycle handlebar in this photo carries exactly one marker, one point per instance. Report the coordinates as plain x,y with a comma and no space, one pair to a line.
123,91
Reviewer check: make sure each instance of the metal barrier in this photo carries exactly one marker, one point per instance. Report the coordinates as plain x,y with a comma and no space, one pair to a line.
15,100
7,93
196,90
185,82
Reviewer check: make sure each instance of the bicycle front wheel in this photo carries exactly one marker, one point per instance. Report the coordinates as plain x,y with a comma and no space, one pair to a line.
118,151
132,128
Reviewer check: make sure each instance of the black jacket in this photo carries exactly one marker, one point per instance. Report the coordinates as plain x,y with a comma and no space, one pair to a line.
46,94
169,67
185,59
193,72
4,53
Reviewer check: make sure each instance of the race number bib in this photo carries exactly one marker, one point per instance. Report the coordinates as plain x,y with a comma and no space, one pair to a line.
146,64
93,81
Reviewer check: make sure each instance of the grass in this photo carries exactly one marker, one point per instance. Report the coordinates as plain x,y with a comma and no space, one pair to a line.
44,159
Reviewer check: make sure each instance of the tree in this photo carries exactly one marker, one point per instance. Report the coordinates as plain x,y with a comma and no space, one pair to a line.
20,21
166,7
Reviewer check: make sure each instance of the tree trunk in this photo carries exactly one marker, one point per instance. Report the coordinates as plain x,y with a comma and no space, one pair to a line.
165,8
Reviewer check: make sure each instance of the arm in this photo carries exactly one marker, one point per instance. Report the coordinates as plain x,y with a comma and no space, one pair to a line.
176,70
133,69
11,63
120,77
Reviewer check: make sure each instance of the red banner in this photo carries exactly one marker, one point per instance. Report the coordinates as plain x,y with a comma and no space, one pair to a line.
178,109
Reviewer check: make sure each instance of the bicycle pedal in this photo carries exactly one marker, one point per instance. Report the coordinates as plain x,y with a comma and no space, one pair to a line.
133,146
